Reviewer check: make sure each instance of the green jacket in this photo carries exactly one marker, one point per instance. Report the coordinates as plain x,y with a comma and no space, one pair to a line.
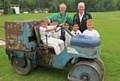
58,16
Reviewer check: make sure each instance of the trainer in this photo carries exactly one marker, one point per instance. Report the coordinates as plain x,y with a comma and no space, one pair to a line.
81,17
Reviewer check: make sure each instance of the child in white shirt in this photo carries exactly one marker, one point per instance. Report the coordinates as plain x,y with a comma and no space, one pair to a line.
57,32
90,31
67,36
75,30
45,31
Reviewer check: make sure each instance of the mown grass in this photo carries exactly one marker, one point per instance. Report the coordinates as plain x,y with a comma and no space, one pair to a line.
107,23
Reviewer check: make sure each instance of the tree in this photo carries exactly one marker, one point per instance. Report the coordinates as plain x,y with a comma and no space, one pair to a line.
118,5
54,5
1,3
6,6
71,5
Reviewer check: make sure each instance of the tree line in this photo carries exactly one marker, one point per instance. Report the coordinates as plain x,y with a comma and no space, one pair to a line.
52,5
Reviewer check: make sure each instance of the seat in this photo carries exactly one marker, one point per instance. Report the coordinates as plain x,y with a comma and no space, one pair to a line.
40,43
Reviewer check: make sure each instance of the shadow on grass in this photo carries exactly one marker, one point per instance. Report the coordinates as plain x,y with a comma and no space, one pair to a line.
50,72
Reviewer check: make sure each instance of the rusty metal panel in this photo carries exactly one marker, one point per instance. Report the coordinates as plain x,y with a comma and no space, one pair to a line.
20,35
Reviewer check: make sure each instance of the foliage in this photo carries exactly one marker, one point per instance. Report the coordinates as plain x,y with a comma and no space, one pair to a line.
1,4
52,5
99,5
6,5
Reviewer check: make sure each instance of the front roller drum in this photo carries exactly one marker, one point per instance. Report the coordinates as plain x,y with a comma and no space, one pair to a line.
86,71
21,65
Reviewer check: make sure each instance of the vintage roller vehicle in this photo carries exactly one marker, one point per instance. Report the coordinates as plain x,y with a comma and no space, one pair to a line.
26,50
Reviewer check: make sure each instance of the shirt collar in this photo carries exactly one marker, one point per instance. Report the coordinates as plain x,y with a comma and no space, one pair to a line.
64,14
82,14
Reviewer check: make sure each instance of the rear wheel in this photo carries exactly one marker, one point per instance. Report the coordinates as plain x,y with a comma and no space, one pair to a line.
86,71
21,65
101,64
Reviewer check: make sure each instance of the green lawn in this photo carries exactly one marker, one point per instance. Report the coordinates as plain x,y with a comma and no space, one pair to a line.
107,23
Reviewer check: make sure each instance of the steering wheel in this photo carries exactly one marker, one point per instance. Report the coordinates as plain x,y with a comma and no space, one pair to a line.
61,26
57,29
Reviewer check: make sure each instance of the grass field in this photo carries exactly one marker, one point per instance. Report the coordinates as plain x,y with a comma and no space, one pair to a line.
107,23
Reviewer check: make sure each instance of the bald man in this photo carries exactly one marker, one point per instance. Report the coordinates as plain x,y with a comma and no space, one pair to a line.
81,17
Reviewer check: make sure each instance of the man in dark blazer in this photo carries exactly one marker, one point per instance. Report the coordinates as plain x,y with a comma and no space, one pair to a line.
81,17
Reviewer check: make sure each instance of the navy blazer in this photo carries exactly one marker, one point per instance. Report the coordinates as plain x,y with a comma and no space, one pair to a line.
82,24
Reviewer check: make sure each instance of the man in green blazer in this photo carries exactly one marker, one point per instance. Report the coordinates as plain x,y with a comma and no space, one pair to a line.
61,16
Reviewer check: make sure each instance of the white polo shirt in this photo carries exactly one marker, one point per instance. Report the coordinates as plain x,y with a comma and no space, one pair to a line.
93,33
76,33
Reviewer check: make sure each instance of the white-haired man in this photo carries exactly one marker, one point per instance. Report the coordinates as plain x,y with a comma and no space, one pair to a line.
61,16
81,16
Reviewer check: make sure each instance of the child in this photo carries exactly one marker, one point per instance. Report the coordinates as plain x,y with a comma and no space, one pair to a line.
64,30
55,22
90,31
75,30
67,25
57,32
57,44
67,36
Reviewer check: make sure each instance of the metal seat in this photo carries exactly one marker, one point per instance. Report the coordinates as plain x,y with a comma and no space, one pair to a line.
40,43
